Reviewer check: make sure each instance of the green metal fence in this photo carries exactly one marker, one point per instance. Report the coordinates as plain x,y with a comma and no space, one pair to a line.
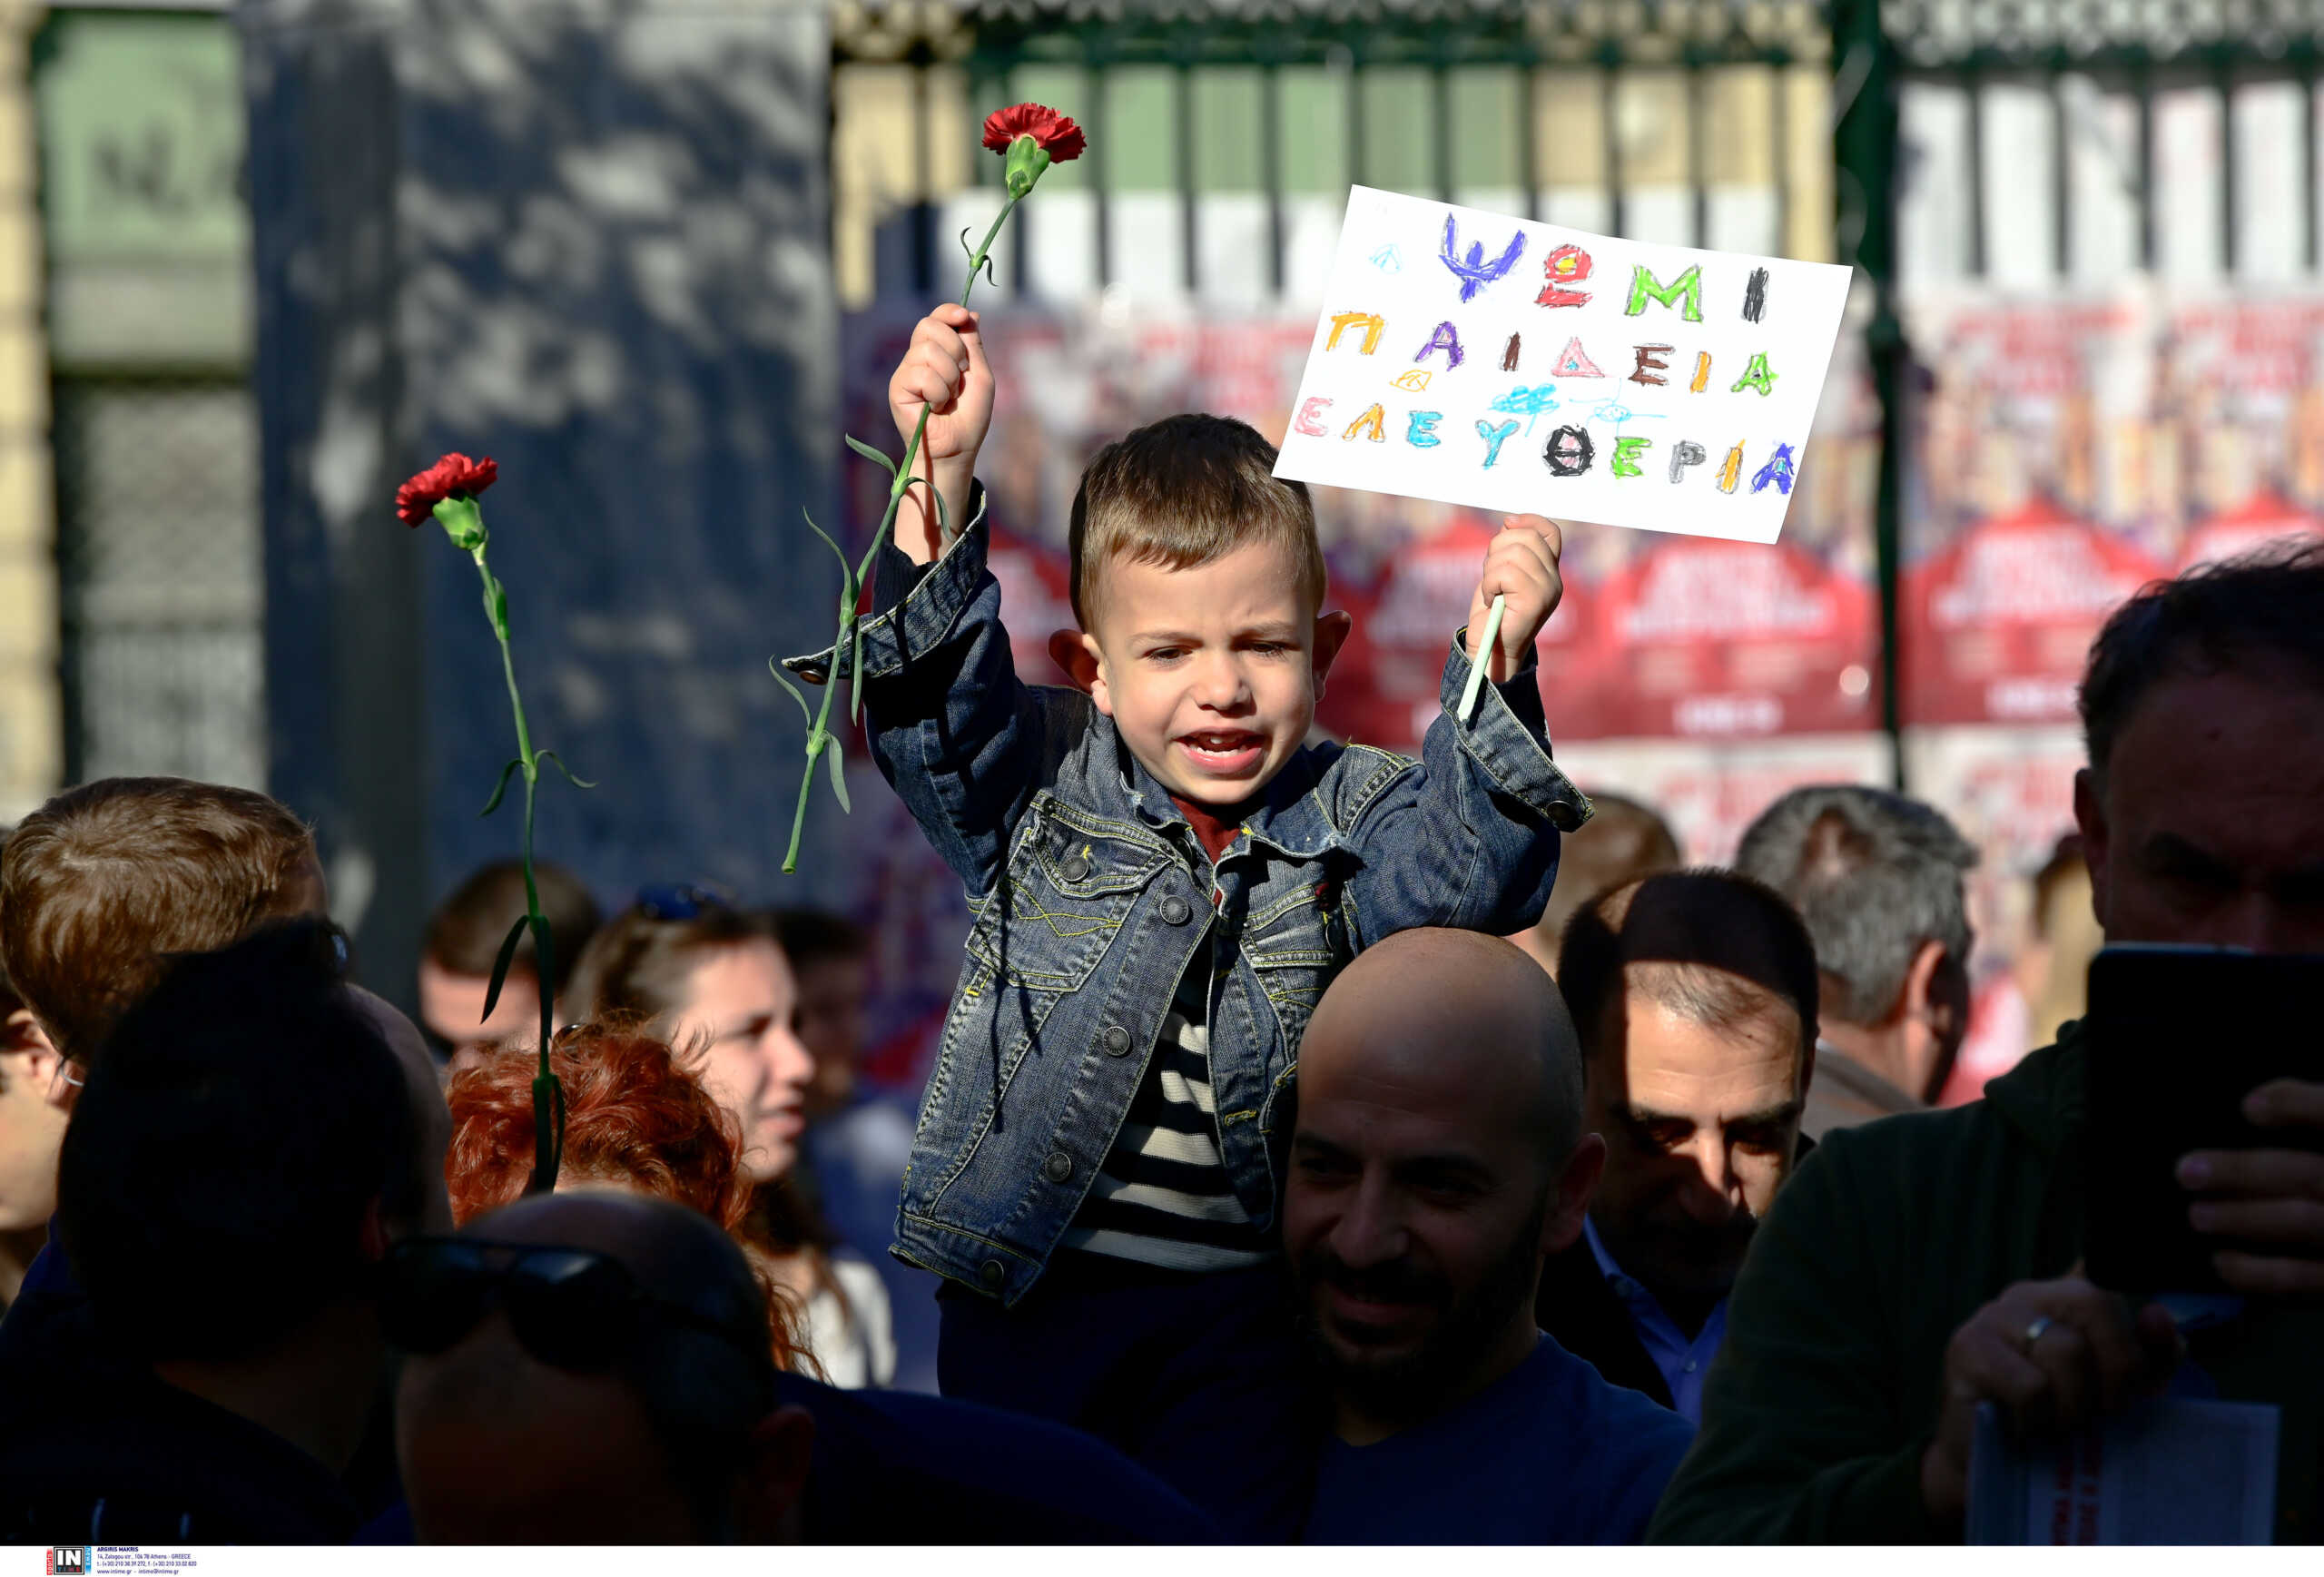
1282,101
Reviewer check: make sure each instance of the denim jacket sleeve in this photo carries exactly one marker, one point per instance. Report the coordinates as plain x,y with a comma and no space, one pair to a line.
964,742
1468,837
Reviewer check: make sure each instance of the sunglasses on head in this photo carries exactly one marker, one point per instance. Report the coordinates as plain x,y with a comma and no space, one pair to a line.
679,903
570,1309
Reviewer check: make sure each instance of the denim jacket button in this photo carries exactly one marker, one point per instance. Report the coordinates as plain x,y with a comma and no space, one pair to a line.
992,1273
1116,1041
1174,911
1563,816
1057,1167
1075,869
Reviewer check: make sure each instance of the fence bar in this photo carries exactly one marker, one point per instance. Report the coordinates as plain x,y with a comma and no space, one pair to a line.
1271,168
2142,87
1189,249
923,181
2226,204
1610,84
1097,91
1974,87
1529,106
2307,165
1863,145
2061,181
1440,111
1698,152
1779,128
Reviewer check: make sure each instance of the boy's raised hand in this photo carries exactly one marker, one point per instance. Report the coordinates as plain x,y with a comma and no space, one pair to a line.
1521,565
943,372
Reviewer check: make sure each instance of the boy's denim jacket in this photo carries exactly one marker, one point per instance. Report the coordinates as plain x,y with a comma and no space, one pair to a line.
1091,895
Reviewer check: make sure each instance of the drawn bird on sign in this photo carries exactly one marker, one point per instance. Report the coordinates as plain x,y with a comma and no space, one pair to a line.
1528,403
1475,273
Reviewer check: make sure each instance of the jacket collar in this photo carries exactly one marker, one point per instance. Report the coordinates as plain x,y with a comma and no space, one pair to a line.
1288,816
2043,1096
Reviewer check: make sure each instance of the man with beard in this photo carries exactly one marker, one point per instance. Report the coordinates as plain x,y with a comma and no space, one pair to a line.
1695,993
1438,1155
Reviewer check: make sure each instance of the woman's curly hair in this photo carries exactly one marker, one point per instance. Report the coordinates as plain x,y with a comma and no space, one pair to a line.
636,1117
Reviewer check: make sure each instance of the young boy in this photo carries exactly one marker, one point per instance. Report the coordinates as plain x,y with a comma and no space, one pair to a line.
1164,877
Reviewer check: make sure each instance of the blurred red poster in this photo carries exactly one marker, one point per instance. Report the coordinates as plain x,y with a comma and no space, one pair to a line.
1036,599
1996,626
1722,640
1386,688
2260,521
1710,790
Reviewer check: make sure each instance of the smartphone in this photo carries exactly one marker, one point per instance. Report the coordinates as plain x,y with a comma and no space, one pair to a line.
2177,1037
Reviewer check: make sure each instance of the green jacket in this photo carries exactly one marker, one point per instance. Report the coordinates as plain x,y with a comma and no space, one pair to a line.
1826,1392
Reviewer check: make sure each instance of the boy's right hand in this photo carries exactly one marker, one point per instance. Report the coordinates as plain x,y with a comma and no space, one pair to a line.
944,374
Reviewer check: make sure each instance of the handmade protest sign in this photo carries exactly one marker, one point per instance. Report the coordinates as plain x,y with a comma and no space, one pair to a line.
1476,359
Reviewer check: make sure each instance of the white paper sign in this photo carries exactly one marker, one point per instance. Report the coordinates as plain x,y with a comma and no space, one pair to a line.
1476,359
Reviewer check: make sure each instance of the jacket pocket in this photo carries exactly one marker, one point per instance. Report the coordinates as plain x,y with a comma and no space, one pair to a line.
1295,945
1072,880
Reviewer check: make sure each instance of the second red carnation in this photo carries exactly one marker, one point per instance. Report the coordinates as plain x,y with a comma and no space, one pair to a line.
416,499
1058,137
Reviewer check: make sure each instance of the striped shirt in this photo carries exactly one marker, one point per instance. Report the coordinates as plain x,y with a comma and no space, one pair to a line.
1162,1197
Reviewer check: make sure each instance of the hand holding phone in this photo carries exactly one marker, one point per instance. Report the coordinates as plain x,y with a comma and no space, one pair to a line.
2271,1201
2203,1157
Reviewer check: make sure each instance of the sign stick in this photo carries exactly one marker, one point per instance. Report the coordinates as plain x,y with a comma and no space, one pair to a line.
1484,655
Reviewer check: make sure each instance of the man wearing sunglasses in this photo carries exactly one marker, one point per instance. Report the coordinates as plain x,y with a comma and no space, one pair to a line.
595,1367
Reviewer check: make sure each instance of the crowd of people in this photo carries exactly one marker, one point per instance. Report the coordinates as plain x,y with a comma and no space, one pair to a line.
1323,1146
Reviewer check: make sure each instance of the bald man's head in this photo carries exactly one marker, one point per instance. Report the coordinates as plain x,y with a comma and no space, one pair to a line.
674,1436
1438,1156
1464,1008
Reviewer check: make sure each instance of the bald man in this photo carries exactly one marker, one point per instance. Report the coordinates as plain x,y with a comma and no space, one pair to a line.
633,1399
1438,1156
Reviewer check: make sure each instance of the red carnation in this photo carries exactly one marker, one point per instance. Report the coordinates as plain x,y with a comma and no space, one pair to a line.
454,476
1057,134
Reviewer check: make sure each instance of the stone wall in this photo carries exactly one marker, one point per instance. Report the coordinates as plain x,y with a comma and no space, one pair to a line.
591,241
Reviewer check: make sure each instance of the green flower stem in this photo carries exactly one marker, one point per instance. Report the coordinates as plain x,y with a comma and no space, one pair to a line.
465,521
819,736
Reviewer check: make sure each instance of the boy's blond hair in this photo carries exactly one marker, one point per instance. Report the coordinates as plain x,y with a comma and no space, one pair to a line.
1187,491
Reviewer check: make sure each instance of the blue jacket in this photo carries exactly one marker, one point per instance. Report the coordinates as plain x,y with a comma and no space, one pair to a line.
1091,896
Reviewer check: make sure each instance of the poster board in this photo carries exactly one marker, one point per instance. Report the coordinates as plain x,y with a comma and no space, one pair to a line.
1486,361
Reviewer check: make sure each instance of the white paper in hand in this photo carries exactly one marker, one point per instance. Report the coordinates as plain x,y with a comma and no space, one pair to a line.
1476,359
2172,1470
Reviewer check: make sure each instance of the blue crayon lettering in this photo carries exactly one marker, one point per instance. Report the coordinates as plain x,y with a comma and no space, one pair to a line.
1494,437
1779,470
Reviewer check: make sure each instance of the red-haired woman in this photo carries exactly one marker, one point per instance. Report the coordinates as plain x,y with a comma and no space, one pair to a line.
634,1118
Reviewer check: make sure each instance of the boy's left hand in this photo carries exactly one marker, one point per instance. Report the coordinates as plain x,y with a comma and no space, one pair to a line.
1521,565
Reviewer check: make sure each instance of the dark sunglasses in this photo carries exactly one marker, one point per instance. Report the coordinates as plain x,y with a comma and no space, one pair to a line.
570,1309
678,903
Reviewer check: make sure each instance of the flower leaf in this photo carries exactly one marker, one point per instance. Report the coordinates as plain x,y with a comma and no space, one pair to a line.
550,756
784,679
869,453
846,569
838,759
500,965
500,789
856,676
